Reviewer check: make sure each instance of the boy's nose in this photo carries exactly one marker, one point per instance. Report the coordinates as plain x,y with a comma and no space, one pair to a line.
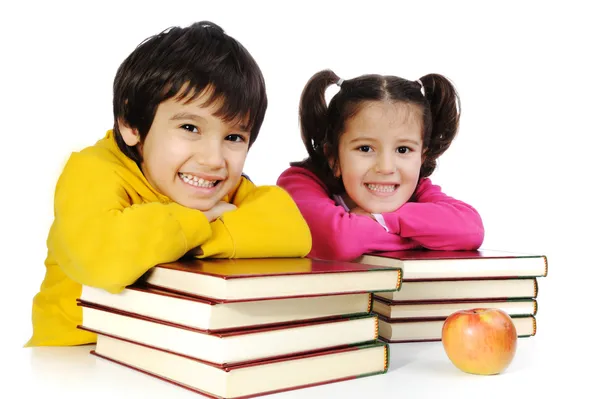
210,155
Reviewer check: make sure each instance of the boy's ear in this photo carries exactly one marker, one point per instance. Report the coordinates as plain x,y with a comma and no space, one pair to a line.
131,137
333,165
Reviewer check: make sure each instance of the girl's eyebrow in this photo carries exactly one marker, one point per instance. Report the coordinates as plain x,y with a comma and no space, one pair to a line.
362,138
409,141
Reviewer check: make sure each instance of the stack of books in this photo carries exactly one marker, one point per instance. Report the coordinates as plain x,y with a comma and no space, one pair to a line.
247,327
436,284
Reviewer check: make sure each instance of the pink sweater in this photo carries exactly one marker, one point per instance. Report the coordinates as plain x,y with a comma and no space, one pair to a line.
434,221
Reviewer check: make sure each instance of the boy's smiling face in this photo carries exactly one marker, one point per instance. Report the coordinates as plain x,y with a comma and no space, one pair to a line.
191,155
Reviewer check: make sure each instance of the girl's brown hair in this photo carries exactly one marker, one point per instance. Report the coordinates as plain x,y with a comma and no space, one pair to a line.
322,125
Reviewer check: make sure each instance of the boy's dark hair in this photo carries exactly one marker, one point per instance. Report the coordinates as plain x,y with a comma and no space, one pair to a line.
196,57
322,125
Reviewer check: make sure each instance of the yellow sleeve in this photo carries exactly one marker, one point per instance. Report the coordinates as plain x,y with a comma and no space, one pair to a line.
266,223
100,239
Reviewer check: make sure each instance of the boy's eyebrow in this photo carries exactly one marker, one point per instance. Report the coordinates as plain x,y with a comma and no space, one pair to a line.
186,115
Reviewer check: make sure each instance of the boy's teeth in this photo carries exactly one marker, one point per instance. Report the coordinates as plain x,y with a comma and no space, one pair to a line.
384,188
197,181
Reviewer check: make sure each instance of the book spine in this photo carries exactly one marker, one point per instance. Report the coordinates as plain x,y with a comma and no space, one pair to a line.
399,280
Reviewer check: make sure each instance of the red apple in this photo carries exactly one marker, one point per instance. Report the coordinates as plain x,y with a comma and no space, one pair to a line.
480,341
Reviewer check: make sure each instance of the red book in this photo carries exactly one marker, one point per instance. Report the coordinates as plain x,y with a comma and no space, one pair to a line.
438,309
209,315
232,347
248,379
422,330
427,265
462,290
231,280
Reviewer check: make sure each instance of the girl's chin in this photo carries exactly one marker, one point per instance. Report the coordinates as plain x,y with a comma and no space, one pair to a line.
383,208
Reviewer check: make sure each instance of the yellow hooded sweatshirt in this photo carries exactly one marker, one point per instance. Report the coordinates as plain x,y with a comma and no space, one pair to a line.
110,226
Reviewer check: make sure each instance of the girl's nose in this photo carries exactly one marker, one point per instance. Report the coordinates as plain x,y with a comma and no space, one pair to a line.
385,164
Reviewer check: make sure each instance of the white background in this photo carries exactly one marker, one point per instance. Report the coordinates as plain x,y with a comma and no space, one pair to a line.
525,157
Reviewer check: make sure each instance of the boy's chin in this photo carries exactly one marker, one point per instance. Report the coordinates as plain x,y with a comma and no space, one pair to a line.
202,205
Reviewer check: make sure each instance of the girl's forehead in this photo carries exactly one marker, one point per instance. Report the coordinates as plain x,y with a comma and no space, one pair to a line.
382,120
393,113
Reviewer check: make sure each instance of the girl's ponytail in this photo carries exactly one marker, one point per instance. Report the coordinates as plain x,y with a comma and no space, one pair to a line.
444,105
313,116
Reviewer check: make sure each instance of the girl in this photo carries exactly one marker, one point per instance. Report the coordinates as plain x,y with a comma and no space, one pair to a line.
365,185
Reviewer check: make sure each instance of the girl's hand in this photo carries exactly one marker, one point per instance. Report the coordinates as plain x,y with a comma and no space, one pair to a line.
219,209
362,212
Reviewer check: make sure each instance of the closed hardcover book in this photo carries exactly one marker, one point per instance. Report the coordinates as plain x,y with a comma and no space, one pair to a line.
407,330
427,265
232,347
210,315
248,379
235,280
437,309
454,290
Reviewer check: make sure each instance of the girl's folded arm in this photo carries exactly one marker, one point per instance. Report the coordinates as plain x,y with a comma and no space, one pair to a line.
437,221
336,233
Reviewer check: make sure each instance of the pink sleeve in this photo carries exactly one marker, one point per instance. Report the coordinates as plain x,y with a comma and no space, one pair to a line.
437,221
336,234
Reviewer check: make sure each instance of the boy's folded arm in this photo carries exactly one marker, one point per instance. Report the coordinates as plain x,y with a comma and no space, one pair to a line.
100,239
437,221
336,233
266,223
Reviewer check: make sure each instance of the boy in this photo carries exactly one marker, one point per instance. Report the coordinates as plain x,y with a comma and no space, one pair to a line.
166,180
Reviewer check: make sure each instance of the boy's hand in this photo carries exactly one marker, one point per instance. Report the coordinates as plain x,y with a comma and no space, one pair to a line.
362,212
218,210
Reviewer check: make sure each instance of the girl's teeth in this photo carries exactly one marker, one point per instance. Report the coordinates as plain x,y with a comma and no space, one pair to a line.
382,188
197,181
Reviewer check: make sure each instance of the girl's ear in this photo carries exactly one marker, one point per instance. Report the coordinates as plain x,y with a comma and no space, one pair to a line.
423,156
131,136
333,165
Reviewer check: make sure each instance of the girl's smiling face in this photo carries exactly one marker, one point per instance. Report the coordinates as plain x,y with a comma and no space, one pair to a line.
191,155
380,156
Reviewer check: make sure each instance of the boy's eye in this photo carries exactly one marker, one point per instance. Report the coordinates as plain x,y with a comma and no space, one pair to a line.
364,148
403,150
238,138
190,128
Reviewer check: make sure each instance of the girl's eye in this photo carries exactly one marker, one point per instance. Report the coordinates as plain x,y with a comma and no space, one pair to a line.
403,150
190,128
238,138
364,148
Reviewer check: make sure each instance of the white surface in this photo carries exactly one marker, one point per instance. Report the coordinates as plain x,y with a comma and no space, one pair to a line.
526,157
416,370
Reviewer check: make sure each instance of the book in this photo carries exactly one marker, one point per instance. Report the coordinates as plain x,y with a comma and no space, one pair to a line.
235,346
416,291
248,379
393,331
210,315
268,278
437,309
424,264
